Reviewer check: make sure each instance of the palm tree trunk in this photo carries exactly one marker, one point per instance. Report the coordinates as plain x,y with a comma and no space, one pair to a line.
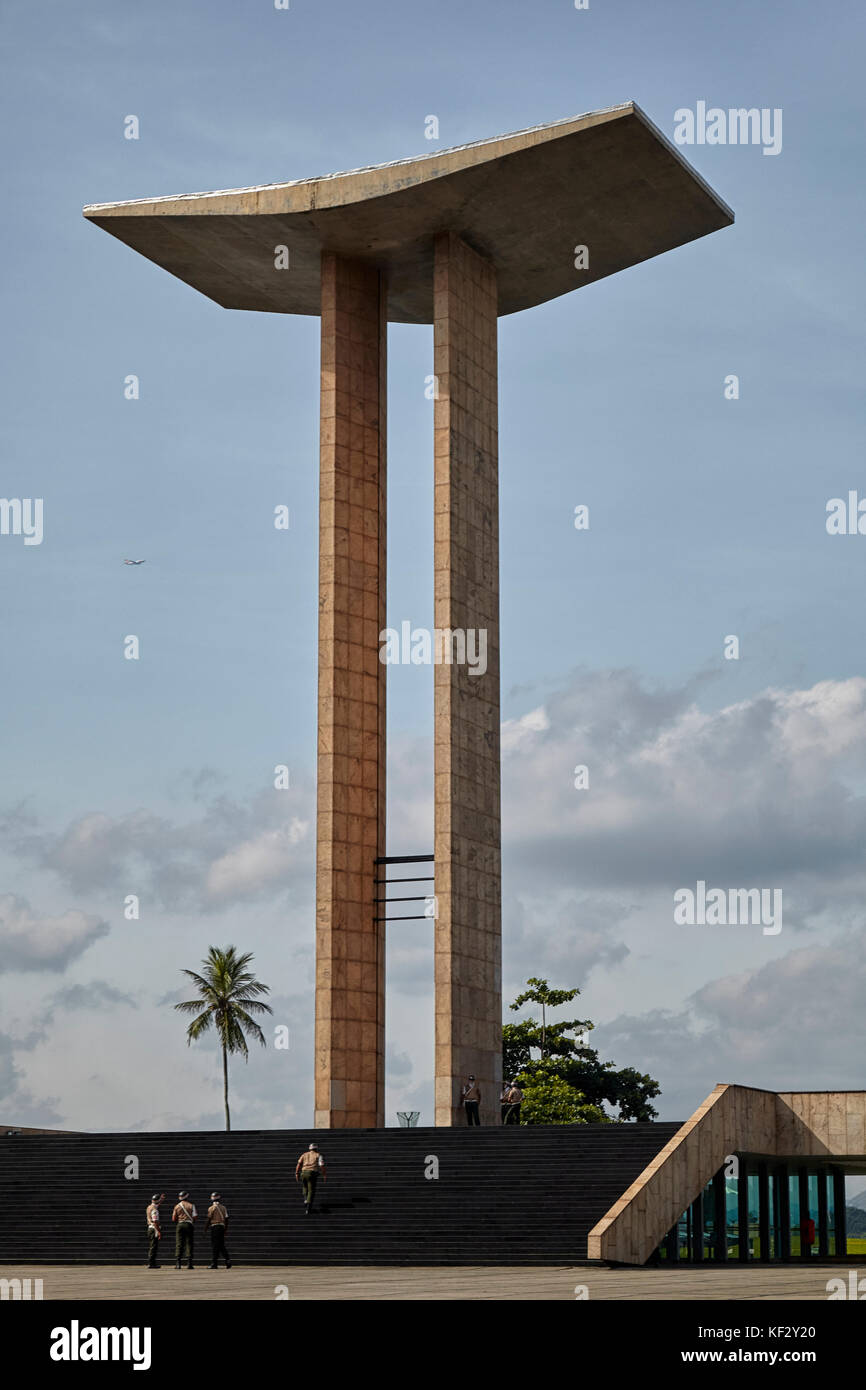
226,1087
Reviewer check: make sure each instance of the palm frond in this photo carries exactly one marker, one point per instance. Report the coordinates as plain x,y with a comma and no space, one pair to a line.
242,1002
199,1026
190,1006
252,1027
202,983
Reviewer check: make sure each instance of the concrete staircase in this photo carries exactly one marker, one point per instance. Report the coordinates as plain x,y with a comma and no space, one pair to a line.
514,1195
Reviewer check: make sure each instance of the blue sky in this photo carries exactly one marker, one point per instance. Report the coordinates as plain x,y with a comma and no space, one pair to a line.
707,518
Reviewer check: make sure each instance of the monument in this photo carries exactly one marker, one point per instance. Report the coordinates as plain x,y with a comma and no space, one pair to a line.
454,238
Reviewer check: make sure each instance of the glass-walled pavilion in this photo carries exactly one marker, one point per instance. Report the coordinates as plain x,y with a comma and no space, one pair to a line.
763,1209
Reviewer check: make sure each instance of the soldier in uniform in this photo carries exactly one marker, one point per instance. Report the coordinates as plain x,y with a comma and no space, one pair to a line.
308,1169
503,1103
184,1214
514,1098
217,1223
470,1097
154,1231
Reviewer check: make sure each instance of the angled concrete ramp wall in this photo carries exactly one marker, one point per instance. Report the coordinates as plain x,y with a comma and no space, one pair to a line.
733,1119
820,1122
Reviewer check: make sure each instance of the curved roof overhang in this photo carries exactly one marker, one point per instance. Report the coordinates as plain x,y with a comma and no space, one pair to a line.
608,180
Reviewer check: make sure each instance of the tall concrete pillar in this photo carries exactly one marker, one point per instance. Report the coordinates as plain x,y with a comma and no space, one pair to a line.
466,741
350,946
599,172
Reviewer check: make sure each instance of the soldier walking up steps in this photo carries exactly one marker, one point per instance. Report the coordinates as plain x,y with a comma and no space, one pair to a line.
154,1230
308,1169
217,1223
184,1214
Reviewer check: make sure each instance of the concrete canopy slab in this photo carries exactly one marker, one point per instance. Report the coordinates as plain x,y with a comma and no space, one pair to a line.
608,180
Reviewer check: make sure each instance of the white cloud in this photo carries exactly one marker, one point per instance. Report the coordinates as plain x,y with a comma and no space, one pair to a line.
31,942
796,1022
768,786
256,864
232,851
517,733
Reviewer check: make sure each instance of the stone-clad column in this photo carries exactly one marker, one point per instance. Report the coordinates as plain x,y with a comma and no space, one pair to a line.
467,798
350,946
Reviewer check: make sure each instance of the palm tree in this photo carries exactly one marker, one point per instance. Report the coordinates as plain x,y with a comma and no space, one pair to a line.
227,996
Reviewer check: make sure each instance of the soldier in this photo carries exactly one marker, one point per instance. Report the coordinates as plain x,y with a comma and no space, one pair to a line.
217,1223
503,1103
184,1214
309,1167
154,1231
470,1097
514,1098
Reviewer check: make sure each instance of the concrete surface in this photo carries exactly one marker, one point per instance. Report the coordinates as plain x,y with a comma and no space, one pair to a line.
468,872
518,1285
350,826
608,180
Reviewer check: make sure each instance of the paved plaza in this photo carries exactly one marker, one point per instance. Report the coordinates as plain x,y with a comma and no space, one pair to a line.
500,1284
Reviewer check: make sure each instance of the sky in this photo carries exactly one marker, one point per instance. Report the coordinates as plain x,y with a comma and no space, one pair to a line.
707,515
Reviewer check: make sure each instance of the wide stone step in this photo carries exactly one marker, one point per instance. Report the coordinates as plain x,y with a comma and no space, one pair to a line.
527,1194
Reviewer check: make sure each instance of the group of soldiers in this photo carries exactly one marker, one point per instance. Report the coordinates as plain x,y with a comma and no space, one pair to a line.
509,1102
185,1216
308,1169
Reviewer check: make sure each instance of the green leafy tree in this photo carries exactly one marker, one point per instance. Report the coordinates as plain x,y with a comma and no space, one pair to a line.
228,993
539,992
629,1090
548,1100
561,1043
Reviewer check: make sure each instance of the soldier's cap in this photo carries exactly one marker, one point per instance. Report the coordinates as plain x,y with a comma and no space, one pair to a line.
155,1197
183,1194
315,1146
214,1195
471,1076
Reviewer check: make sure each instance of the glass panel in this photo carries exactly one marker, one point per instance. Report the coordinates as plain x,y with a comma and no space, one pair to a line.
709,1231
755,1250
794,1199
732,1217
683,1236
831,1213
812,1213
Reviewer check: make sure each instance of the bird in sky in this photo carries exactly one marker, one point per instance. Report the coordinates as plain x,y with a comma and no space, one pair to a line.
133,562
